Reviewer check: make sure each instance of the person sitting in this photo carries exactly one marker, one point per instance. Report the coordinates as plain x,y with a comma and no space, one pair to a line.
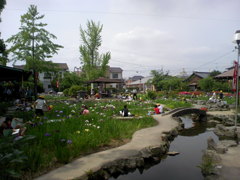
156,109
85,110
7,129
97,96
160,107
125,111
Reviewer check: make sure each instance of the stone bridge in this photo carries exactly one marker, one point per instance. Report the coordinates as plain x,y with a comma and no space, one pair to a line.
184,111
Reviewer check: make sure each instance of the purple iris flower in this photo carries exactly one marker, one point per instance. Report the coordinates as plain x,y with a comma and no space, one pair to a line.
47,134
60,111
63,140
69,141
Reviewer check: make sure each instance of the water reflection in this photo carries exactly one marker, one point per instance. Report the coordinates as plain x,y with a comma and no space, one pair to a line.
190,143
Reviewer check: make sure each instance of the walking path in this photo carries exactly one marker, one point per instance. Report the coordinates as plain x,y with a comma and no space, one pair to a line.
141,139
230,162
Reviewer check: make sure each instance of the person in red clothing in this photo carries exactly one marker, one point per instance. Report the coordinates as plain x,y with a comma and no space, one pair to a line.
156,109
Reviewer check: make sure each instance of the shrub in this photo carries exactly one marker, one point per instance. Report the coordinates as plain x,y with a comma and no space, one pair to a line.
12,157
73,90
3,107
151,95
66,92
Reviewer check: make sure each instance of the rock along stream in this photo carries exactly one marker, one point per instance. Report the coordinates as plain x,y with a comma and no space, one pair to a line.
190,143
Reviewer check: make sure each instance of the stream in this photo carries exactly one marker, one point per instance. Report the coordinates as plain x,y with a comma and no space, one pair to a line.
190,143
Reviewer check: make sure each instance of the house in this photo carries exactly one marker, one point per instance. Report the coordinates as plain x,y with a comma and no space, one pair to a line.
115,73
46,77
132,79
142,84
194,79
227,75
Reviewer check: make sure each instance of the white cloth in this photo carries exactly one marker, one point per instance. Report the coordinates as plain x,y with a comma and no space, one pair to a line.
40,103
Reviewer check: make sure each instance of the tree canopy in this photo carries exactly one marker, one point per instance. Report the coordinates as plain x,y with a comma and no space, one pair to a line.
94,64
33,43
3,50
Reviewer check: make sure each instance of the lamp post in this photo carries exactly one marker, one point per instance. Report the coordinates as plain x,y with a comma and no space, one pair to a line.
237,41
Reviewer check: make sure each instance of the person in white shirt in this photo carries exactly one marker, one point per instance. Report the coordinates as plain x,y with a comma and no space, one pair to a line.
39,105
160,107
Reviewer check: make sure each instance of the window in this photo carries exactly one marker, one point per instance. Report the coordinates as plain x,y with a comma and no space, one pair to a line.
115,76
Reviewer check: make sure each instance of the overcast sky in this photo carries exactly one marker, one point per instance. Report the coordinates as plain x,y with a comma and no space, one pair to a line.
141,35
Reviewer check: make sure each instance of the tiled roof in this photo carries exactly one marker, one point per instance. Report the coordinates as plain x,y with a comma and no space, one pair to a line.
62,66
142,81
202,74
135,78
227,74
115,69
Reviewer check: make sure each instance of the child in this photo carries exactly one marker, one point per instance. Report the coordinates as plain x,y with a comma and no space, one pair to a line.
39,105
156,110
85,111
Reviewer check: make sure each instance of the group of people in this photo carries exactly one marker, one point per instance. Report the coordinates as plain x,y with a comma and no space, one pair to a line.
158,109
12,126
214,97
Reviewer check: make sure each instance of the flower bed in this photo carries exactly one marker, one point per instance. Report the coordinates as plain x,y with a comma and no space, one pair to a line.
64,134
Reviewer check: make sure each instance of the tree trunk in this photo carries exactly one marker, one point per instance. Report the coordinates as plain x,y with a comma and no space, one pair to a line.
35,84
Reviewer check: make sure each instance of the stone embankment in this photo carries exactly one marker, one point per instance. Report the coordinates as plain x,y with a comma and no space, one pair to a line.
146,145
222,160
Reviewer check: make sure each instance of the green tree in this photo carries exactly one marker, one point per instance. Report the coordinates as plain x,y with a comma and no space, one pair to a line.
69,80
172,83
158,76
207,84
215,73
2,4
94,64
3,51
33,44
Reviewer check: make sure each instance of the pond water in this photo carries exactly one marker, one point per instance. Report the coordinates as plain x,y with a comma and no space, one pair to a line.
190,143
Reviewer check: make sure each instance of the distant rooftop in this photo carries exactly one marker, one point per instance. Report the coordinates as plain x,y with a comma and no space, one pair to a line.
62,66
115,69
135,78
202,74
141,81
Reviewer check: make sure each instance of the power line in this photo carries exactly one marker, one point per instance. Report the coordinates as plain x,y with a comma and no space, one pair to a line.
130,14
226,54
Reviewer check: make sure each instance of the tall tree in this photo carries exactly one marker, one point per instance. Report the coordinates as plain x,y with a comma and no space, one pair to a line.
2,4
94,64
158,77
33,44
3,51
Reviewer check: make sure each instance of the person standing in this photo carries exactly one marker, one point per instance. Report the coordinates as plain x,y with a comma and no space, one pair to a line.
39,105
221,95
134,94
